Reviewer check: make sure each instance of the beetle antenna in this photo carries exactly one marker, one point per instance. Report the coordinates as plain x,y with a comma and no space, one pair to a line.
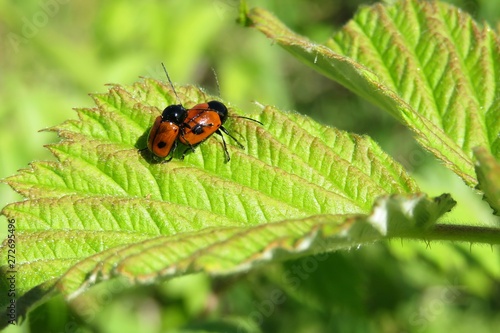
216,81
247,119
171,84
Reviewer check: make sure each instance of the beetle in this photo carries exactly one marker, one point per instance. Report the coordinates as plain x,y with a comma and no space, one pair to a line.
163,135
162,139
202,121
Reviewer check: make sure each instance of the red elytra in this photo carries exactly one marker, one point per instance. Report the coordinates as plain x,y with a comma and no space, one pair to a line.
162,139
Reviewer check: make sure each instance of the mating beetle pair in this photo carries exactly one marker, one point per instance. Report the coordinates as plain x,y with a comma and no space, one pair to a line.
189,127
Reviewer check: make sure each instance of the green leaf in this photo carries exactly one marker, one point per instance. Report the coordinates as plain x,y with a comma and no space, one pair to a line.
426,63
105,209
488,175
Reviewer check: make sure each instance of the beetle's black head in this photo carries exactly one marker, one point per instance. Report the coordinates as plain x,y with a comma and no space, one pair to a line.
174,113
220,109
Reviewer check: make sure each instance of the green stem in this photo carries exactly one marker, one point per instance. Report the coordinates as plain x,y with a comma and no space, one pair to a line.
458,233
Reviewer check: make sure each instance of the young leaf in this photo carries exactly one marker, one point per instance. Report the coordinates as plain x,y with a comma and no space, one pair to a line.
107,209
427,63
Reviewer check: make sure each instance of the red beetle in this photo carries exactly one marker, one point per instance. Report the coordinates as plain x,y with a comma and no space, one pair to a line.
202,121
163,135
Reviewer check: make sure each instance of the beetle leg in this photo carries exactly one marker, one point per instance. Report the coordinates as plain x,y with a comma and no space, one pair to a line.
228,158
185,151
232,137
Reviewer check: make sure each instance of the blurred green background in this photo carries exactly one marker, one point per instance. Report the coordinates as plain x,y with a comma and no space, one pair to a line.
55,52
